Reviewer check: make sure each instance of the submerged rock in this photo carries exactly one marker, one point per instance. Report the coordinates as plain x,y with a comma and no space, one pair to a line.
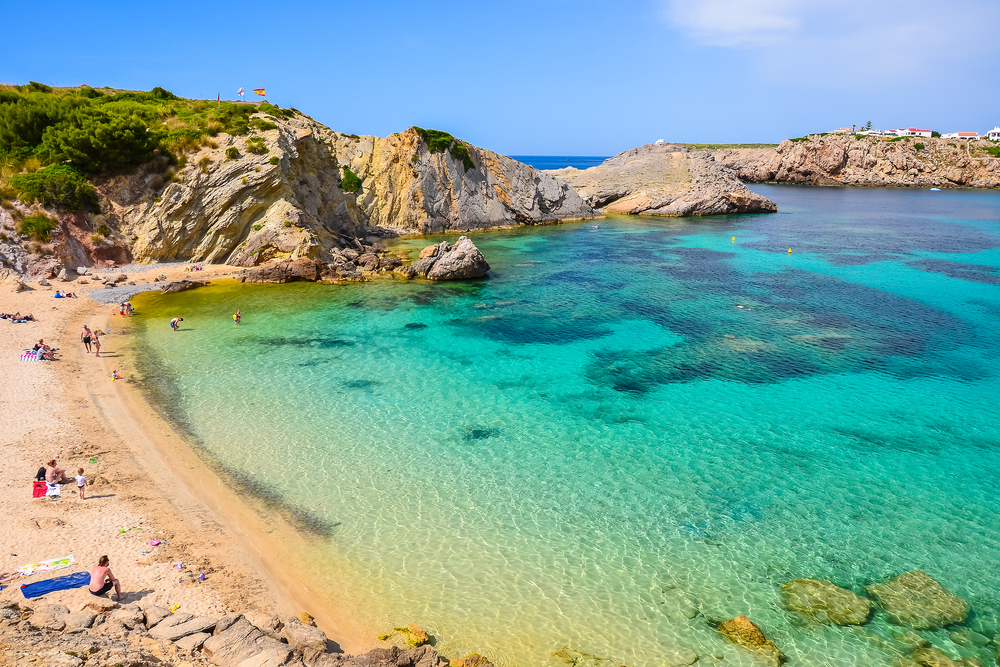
916,600
182,285
414,634
826,602
744,632
471,660
446,262
934,657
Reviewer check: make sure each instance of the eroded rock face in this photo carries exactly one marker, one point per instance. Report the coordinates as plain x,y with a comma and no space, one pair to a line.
461,261
847,160
826,602
248,211
664,180
743,632
916,600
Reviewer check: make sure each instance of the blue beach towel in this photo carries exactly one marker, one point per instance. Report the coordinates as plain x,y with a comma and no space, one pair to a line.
38,588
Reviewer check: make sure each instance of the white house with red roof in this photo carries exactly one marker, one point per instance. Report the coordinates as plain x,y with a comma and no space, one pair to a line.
961,135
912,132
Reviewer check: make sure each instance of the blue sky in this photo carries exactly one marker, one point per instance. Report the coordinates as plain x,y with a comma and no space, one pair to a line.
543,77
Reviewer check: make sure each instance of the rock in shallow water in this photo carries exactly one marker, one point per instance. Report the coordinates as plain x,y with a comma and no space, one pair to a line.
446,262
744,632
826,602
916,600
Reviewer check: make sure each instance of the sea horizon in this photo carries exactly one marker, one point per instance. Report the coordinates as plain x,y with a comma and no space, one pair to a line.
560,161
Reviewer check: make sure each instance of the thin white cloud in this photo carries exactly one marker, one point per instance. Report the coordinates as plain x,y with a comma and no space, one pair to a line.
847,40
736,22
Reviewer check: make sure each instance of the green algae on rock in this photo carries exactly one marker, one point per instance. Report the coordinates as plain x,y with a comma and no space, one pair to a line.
916,600
826,602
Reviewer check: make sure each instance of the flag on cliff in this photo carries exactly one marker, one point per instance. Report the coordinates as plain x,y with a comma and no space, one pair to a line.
258,91
240,93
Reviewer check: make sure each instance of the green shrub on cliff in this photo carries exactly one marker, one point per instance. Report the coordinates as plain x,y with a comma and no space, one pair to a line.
350,182
919,146
256,145
232,153
37,227
439,142
57,185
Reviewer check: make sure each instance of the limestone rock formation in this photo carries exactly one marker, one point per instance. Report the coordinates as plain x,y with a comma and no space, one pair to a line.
914,599
451,262
742,631
847,160
664,179
826,602
285,271
288,202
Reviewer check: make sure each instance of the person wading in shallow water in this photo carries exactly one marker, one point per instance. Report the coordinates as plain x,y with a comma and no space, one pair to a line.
237,316
175,323
85,337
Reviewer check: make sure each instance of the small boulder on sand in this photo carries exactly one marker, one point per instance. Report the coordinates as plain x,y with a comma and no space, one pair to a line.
826,602
744,632
915,600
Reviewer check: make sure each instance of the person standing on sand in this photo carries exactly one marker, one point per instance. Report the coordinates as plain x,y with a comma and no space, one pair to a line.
102,577
97,345
81,485
85,337
175,323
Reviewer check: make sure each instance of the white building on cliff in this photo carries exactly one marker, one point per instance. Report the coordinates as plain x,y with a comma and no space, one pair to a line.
994,134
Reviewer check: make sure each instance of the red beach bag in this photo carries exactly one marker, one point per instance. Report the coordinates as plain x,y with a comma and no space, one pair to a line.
39,489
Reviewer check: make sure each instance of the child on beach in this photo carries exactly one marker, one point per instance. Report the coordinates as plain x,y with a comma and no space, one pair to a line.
237,316
175,323
81,485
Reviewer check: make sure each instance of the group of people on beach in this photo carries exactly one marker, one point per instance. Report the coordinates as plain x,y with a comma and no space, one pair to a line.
91,338
45,352
54,477
18,317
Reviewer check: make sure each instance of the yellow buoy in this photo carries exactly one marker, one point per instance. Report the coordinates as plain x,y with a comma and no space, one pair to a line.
734,239
789,251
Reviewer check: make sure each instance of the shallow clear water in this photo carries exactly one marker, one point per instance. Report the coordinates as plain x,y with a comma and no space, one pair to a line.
549,458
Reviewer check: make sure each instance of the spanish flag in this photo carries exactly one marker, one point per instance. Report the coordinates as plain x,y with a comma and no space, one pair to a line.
258,91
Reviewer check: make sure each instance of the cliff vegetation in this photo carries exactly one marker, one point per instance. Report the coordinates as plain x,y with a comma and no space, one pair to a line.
149,176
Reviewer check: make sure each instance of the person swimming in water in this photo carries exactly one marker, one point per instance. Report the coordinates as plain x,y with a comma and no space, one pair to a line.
237,316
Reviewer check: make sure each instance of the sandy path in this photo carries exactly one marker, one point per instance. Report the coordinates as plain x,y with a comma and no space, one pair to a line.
146,481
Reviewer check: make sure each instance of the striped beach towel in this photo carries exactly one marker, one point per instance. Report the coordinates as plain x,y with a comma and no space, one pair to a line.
29,356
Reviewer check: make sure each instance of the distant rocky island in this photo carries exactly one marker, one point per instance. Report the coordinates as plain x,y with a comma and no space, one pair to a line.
868,161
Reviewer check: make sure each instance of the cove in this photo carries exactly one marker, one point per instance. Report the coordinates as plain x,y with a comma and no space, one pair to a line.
574,454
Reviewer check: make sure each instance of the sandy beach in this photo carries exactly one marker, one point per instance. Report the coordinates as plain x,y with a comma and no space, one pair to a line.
143,480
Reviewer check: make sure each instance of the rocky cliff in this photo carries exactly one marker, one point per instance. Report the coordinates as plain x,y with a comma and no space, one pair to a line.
664,179
292,188
847,160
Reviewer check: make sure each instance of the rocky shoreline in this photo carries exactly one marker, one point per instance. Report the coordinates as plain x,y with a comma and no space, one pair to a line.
664,180
98,632
867,161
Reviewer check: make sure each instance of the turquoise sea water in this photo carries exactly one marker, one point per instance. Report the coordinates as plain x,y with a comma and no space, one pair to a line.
560,455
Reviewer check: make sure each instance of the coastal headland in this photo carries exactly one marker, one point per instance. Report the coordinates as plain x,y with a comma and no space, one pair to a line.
664,180
868,161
